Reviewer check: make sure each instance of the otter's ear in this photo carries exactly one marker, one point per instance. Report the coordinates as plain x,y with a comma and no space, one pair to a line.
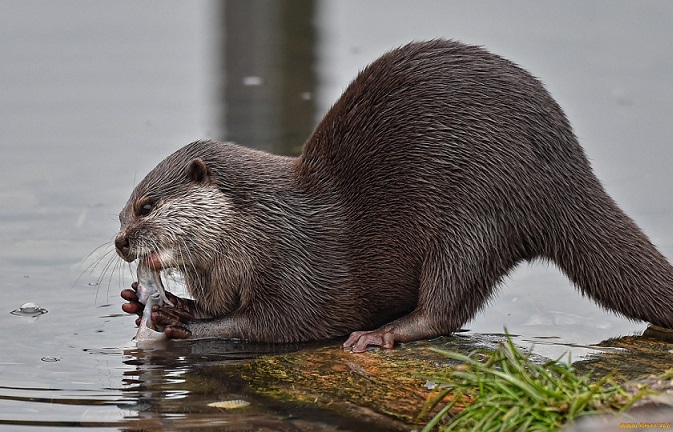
198,172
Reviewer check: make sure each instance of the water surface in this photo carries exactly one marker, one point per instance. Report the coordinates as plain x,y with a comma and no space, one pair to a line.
93,95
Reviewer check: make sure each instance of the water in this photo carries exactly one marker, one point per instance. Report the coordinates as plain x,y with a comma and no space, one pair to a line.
93,95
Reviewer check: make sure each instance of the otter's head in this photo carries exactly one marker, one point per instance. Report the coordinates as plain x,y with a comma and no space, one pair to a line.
174,216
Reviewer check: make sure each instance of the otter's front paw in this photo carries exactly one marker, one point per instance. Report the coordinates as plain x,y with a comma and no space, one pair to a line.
360,340
177,332
133,306
186,307
174,320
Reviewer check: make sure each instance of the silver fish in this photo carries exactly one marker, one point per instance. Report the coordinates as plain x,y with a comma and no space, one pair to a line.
150,291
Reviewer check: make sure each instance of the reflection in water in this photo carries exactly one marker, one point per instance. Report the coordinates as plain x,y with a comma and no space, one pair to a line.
268,80
184,385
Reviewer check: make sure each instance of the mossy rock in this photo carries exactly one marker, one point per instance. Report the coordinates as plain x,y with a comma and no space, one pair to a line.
392,387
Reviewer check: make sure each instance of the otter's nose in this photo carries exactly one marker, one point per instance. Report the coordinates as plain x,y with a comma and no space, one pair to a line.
123,246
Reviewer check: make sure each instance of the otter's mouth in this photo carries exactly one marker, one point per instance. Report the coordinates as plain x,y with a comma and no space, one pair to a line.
159,260
152,261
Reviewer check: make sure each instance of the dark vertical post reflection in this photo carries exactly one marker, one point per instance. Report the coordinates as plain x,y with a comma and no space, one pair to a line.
267,73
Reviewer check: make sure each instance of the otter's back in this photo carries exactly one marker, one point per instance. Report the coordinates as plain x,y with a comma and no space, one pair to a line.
433,120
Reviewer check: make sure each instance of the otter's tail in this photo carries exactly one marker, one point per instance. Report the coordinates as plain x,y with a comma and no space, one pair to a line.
610,259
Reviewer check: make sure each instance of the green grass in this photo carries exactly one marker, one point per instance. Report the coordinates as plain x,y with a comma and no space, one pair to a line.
504,390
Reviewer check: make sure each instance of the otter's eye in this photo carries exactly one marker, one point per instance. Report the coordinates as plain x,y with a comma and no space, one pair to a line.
145,209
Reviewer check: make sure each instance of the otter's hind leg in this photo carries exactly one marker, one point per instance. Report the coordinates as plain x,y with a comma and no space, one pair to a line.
456,281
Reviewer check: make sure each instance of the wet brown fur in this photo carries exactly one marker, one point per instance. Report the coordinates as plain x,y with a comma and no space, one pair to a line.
440,168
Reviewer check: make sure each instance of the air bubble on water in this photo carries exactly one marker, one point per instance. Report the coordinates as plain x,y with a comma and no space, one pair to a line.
29,310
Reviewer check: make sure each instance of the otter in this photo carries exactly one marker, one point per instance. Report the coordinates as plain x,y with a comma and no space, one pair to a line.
441,167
